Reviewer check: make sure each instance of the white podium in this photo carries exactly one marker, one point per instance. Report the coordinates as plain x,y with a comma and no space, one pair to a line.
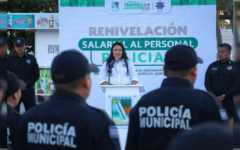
119,101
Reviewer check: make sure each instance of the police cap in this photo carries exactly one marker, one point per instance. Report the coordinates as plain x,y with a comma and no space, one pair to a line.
181,57
73,65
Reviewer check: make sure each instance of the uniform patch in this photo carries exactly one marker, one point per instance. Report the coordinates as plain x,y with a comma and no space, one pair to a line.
223,114
229,67
28,61
113,131
124,65
214,68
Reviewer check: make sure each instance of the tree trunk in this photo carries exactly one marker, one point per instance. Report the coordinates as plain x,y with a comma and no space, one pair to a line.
229,5
219,35
10,47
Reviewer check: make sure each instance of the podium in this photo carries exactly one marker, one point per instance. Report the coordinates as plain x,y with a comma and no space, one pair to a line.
119,101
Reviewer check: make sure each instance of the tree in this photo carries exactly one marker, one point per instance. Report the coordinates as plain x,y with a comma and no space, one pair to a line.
28,6
223,6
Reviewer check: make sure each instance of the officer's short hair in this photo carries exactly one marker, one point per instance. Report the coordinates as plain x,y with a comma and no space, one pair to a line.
229,48
66,86
177,74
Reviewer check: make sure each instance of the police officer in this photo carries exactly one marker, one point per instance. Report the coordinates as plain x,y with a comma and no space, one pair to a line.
13,97
3,117
3,47
176,106
3,57
26,68
219,78
236,73
65,121
206,136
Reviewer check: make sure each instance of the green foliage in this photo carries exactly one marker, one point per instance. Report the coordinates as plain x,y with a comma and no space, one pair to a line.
221,7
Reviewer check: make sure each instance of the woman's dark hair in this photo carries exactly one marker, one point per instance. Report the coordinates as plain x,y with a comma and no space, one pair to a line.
124,55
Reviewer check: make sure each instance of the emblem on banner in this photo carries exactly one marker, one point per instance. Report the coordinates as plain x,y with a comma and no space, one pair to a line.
115,6
160,5
28,61
229,67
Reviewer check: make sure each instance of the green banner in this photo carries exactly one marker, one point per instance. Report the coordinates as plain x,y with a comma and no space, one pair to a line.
101,44
82,3
101,3
193,2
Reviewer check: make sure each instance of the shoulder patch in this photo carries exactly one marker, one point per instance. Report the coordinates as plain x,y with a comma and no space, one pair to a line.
214,62
113,131
223,114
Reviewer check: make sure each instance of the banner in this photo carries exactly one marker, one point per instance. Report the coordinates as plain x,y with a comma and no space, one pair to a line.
47,21
148,29
3,21
82,3
44,85
20,21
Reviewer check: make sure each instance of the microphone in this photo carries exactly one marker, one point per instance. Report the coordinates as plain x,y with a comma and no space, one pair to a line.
113,61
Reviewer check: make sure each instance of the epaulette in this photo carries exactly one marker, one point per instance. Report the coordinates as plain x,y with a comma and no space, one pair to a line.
102,112
214,62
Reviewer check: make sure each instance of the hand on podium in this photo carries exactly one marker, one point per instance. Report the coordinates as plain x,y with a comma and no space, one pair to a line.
105,83
133,82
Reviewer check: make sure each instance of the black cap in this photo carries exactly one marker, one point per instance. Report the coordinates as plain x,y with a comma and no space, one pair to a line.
13,83
3,41
181,57
19,41
206,136
3,83
73,65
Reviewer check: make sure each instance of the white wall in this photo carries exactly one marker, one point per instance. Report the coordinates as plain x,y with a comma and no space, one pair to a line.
43,38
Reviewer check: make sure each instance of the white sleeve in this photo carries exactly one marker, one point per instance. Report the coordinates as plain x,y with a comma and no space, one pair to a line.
103,73
132,71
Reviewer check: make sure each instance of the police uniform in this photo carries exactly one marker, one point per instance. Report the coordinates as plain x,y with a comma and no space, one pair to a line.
13,85
26,68
206,136
3,119
65,121
176,106
236,76
13,118
219,80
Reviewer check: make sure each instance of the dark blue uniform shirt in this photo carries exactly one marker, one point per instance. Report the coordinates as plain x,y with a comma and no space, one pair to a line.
219,78
236,75
26,68
162,113
12,121
65,122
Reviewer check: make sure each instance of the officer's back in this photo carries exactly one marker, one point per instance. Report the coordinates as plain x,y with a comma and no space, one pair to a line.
13,94
65,121
176,106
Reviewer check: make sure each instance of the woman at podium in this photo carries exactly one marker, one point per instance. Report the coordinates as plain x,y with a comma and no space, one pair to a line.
120,68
